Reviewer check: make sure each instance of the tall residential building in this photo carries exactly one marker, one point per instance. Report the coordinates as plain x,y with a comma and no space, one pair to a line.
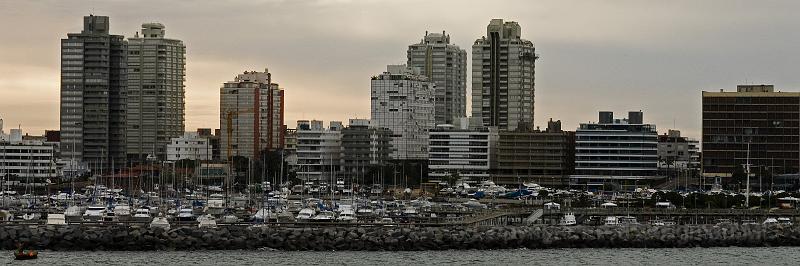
251,115
156,72
318,150
544,157
363,148
402,101
445,65
620,151
503,77
756,116
93,95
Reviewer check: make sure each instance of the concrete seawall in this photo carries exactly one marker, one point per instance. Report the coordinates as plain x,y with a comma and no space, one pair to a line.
395,238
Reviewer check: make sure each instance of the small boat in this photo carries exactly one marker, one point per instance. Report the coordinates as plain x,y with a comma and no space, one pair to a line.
206,221
305,215
568,220
324,216
26,255
160,222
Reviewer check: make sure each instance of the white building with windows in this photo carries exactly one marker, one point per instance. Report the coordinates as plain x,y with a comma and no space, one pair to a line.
190,146
621,151
460,150
403,102
318,150
26,161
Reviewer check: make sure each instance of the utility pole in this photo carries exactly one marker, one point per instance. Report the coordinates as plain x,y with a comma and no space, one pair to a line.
747,186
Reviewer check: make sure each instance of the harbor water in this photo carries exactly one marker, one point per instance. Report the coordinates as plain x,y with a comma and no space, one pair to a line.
628,256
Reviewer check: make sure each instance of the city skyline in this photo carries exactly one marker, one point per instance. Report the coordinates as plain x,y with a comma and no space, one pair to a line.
633,56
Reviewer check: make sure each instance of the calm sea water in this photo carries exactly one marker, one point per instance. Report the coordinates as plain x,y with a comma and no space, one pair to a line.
687,256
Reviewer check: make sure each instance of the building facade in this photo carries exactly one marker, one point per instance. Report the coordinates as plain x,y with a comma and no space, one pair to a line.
756,116
363,148
156,92
190,146
402,101
318,150
251,115
93,95
26,161
676,151
503,77
619,151
457,149
445,65
544,157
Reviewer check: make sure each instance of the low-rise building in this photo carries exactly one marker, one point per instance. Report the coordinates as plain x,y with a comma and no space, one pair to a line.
545,157
460,151
190,146
619,152
26,161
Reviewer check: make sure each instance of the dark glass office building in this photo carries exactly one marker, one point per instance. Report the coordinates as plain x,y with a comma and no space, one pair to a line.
754,114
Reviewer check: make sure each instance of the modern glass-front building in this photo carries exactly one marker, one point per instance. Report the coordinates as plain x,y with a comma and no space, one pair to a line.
754,115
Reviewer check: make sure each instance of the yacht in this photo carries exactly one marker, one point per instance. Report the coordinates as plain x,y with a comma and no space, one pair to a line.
94,213
215,205
123,212
74,213
346,215
628,220
785,221
410,211
142,215
185,215
324,216
305,215
568,220
206,221
612,220
56,219
159,222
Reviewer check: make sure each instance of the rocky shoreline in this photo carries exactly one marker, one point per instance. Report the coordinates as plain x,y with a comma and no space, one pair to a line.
76,237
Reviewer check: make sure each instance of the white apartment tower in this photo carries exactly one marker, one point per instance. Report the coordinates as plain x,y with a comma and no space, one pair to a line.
444,64
402,101
503,77
156,107
251,115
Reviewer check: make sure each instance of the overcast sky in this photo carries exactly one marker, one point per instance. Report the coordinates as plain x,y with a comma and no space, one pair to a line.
655,56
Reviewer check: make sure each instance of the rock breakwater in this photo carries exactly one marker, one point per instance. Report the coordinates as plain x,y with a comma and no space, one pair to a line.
75,237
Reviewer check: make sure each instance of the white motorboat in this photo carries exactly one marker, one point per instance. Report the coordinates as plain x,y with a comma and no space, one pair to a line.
143,215
160,222
230,218
568,220
94,213
185,215
612,220
56,219
784,221
206,221
324,216
74,213
346,215
410,211
123,212
305,215
215,204
628,220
